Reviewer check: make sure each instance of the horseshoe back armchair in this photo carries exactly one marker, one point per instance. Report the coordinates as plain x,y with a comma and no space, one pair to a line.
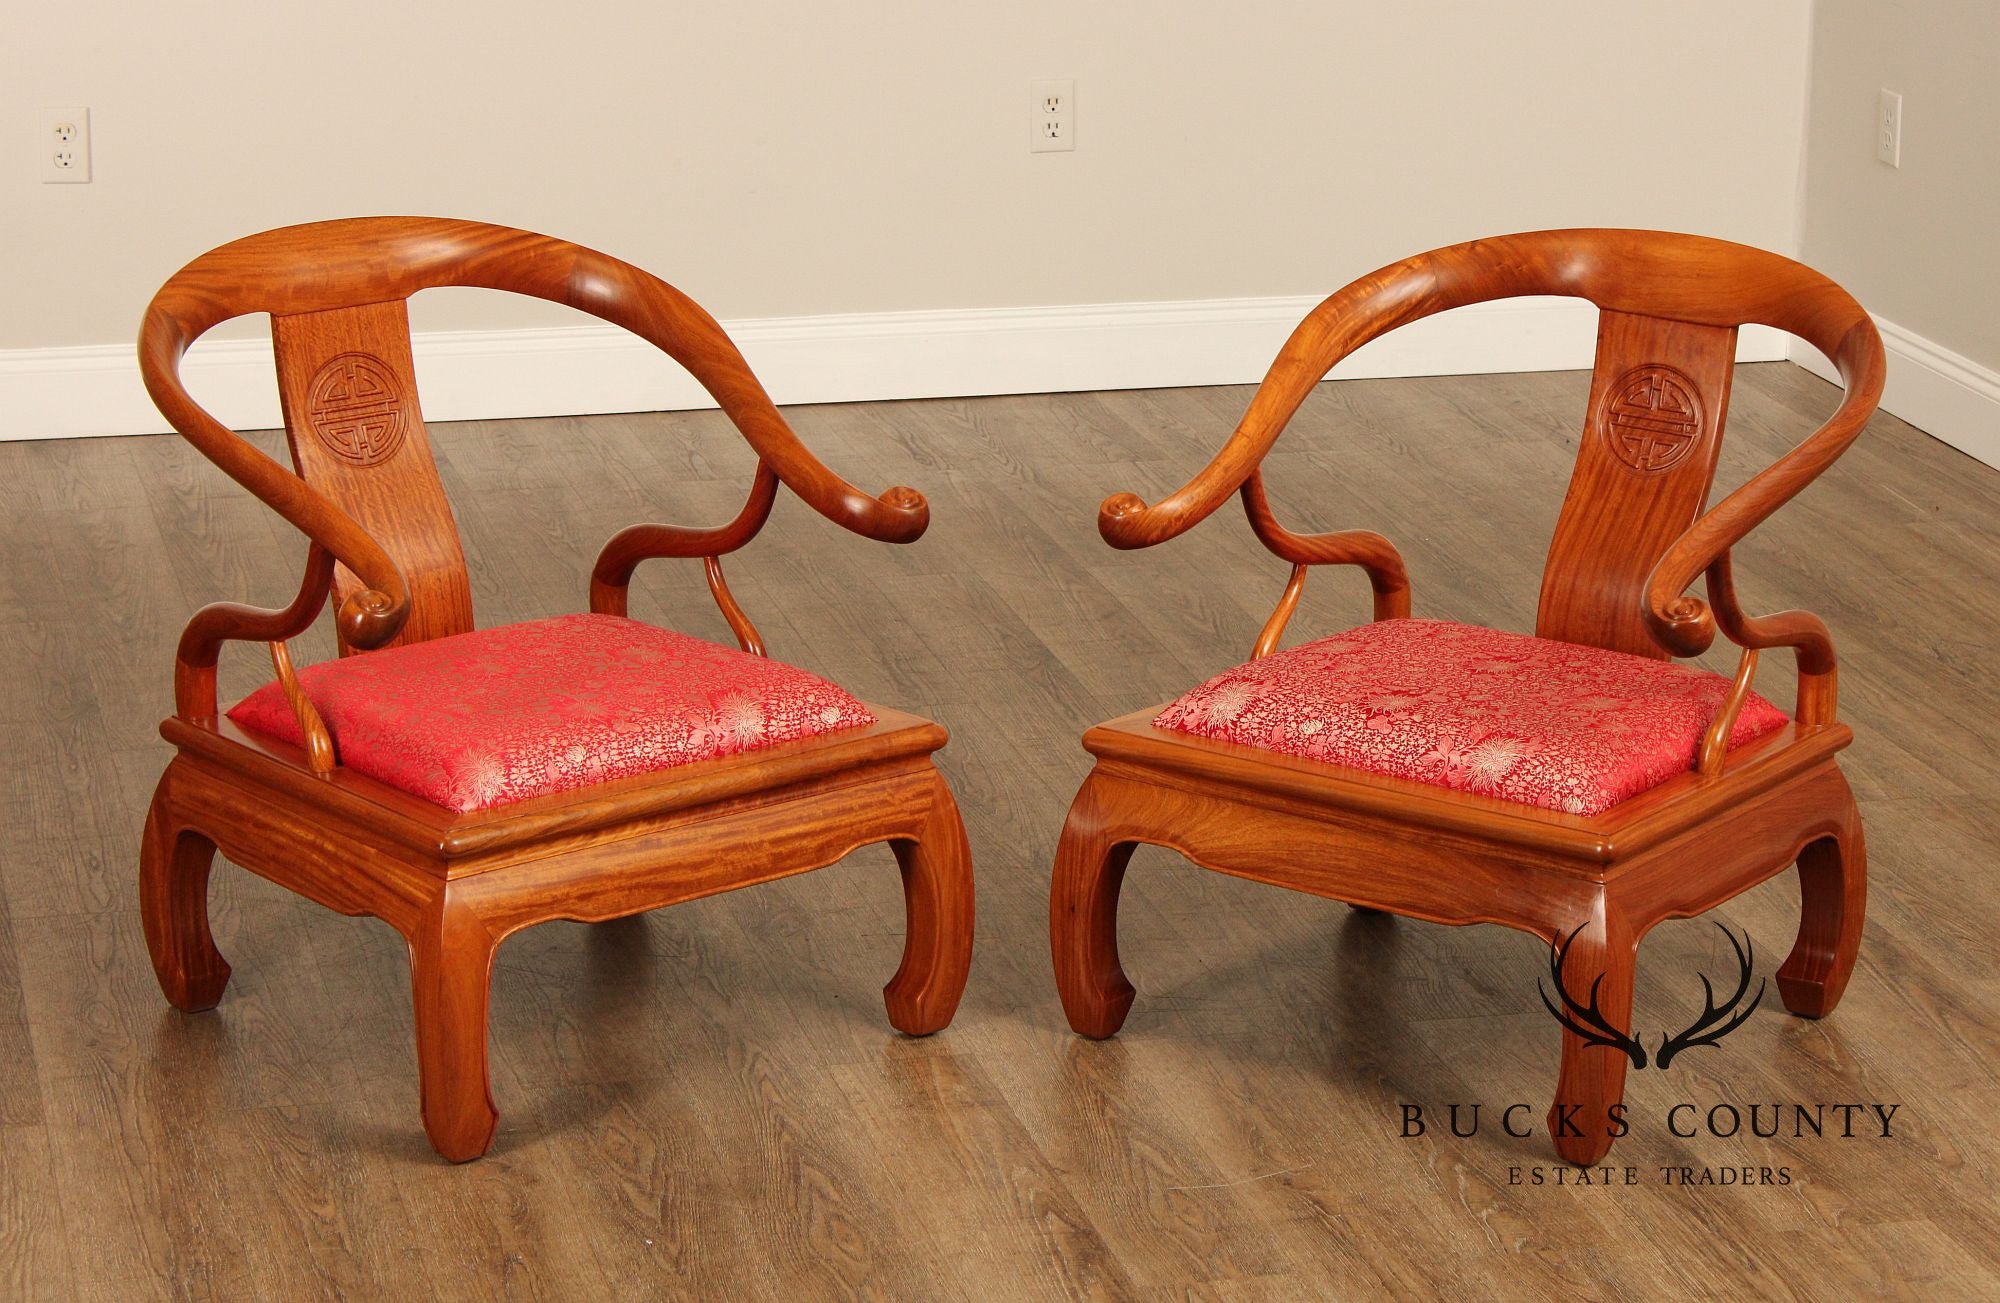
462,783
1576,784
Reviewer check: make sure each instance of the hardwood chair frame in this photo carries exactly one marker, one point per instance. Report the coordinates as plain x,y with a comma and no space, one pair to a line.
1632,536
383,545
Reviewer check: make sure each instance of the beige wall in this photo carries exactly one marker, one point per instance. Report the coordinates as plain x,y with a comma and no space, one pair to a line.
795,159
1919,244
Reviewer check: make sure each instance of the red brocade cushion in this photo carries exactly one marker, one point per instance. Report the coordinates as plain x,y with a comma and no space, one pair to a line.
1551,724
501,715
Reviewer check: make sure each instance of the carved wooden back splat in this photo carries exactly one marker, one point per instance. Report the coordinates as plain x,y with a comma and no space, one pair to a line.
1658,399
349,394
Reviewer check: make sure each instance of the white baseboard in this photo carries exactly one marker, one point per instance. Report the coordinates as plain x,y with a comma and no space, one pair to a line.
56,393
1944,394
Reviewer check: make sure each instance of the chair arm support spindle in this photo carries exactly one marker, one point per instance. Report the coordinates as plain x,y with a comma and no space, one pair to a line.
319,743
1274,628
739,623
1715,741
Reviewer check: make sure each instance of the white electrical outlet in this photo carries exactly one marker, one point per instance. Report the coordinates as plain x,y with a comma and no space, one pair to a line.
1889,128
62,145
1051,115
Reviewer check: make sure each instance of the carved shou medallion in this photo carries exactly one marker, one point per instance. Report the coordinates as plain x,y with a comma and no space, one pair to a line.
355,407
1651,417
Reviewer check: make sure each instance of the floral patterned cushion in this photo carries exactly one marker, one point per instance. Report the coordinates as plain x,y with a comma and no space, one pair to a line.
501,715
1544,723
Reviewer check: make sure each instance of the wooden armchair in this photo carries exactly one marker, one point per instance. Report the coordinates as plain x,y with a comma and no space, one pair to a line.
1576,784
459,783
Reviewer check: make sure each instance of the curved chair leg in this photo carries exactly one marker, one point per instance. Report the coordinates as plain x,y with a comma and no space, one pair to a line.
173,907
1592,1080
937,904
1833,887
1083,918
451,969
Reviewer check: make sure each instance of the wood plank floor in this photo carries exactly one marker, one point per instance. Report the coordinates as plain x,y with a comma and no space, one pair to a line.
708,1101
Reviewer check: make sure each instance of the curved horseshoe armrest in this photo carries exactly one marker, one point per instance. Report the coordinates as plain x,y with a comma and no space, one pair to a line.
1684,624
1363,310
642,303
369,617
1127,523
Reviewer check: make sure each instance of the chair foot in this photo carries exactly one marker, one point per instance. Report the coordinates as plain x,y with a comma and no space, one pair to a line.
937,902
1583,1119
1083,918
174,863
451,967
1833,889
